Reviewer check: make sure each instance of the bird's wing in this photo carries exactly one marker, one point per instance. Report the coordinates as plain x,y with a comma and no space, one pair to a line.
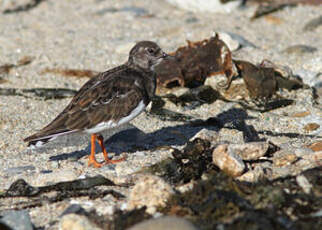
107,98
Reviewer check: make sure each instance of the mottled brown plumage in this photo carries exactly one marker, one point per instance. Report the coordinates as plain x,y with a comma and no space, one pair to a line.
109,99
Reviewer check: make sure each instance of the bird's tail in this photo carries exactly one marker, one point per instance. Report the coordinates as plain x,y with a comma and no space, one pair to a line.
39,139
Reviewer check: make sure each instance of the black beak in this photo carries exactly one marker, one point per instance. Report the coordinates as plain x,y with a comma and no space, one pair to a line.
165,55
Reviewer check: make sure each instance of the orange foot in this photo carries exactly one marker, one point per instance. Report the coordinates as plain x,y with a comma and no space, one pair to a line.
92,159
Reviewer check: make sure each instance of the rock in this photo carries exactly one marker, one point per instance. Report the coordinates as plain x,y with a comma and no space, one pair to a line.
76,222
208,135
311,127
17,220
249,151
299,49
150,191
205,6
163,223
230,42
282,158
303,182
301,114
313,24
252,176
19,169
316,146
227,161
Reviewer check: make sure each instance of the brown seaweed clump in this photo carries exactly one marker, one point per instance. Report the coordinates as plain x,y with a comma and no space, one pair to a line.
193,63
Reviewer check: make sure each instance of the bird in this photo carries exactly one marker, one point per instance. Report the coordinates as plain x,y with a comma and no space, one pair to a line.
108,100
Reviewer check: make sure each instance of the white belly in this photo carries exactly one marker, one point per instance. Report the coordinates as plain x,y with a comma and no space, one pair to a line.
112,124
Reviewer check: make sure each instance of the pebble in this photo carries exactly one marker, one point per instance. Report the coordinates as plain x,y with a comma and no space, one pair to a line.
303,182
249,151
150,191
76,222
17,220
311,127
316,146
301,114
205,6
163,223
227,161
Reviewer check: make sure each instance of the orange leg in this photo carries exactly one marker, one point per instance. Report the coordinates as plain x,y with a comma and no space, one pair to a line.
92,159
100,140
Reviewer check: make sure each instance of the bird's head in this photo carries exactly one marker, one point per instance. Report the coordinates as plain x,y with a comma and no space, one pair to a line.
145,55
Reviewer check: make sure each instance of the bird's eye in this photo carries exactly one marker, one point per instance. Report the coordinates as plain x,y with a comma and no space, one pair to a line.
150,50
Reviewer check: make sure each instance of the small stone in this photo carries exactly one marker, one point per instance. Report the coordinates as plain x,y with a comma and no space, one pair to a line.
317,146
300,49
252,176
303,182
205,6
150,191
284,159
249,151
311,127
301,114
76,222
17,219
163,223
208,135
229,162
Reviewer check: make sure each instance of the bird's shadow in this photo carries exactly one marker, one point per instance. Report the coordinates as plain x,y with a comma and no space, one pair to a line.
132,139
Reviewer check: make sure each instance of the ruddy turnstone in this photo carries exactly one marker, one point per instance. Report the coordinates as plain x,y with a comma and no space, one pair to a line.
108,100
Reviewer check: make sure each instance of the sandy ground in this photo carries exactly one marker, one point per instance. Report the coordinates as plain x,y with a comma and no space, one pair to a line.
97,35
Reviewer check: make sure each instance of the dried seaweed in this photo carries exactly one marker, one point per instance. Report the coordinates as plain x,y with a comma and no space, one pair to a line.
71,72
20,8
265,9
5,69
22,188
64,190
193,63
43,93
263,80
